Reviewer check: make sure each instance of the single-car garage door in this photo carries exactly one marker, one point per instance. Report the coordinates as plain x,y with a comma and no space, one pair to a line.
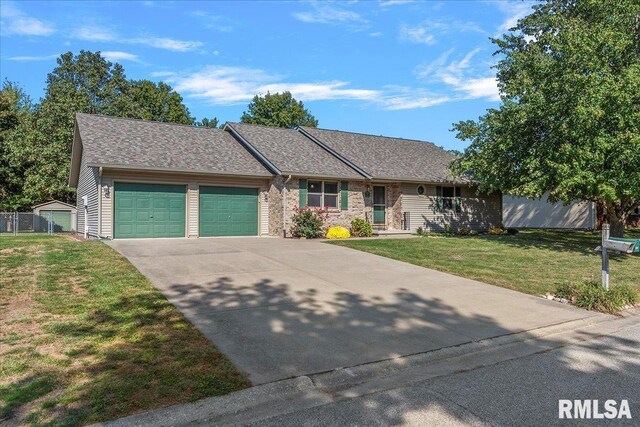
228,211
149,210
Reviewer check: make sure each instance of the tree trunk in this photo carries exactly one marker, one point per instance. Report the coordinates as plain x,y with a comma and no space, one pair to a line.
616,216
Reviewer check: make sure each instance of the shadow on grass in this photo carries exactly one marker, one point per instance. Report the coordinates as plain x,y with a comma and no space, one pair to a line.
133,354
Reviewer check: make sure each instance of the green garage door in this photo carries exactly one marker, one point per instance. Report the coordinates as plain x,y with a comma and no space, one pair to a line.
149,210
228,211
60,220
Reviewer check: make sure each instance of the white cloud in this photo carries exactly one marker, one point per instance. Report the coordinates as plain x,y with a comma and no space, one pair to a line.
94,33
233,85
221,85
388,3
167,43
14,21
162,74
102,34
376,34
114,55
33,58
408,98
416,34
427,31
514,12
325,14
460,76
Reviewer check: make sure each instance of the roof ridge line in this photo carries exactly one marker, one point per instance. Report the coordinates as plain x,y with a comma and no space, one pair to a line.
253,150
133,119
334,153
378,136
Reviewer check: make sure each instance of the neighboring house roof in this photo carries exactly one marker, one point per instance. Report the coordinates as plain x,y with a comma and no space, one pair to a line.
388,158
53,202
117,142
292,152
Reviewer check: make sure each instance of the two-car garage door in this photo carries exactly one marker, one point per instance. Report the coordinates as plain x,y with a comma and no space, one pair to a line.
158,210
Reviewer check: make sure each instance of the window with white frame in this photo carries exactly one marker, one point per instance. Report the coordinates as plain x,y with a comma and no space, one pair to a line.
322,194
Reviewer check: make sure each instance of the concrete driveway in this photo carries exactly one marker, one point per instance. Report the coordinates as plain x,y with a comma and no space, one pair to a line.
281,308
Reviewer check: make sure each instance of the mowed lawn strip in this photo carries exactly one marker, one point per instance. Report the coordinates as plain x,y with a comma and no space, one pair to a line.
84,337
532,261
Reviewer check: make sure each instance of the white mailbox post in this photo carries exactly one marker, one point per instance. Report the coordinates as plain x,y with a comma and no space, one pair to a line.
611,245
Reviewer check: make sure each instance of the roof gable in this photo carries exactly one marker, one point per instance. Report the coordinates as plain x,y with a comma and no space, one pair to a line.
118,142
293,153
389,158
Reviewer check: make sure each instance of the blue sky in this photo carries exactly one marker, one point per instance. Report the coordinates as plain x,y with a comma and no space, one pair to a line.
399,68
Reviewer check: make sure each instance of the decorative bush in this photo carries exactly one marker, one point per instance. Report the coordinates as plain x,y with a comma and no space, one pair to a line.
495,231
462,231
448,230
308,222
361,228
512,231
592,296
338,232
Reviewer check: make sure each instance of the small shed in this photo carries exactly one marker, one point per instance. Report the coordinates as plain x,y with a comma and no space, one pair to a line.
62,216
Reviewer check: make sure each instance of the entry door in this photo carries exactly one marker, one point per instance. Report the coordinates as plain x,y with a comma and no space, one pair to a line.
379,205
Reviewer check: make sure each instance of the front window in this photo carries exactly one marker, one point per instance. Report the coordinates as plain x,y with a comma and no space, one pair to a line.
448,199
322,194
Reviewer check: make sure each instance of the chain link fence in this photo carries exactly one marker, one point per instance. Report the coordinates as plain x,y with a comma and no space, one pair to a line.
49,222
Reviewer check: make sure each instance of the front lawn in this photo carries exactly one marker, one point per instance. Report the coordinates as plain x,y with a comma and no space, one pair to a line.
532,261
84,337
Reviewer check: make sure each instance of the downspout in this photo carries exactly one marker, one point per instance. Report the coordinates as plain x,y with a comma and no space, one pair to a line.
100,202
284,206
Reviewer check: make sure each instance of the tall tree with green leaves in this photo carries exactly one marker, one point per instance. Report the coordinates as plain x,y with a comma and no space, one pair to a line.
156,101
208,123
15,112
278,110
40,146
569,122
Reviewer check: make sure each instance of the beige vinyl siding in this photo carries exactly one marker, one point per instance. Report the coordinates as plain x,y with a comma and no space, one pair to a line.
106,201
193,198
88,184
264,211
479,212
193,182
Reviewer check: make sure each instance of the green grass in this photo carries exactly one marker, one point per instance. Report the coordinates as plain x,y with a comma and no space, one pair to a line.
534,262
84,337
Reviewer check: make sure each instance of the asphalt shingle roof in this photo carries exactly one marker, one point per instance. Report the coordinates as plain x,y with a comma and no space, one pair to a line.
144,144
293,153
389,158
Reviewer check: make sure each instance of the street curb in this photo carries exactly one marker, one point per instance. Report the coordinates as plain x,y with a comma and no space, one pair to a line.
290,395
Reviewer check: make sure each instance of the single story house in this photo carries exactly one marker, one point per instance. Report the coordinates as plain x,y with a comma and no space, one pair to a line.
55,215
137,178
522,212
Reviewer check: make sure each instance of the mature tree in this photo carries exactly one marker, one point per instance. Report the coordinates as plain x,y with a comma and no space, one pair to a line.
158,102
208,123
15,112
278,110
40,146
569,122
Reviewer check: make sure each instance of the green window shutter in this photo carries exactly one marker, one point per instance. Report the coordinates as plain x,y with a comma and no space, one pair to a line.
458,207
438,199
344,195
303,193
